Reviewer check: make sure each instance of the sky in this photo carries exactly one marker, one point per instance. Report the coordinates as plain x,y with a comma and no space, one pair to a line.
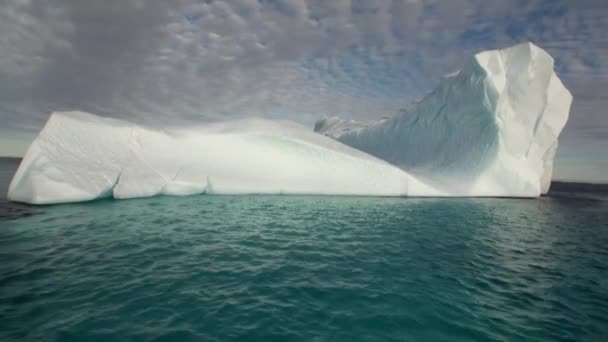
170,62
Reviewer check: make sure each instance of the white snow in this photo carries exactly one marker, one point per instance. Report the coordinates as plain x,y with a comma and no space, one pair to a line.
79,157
489,130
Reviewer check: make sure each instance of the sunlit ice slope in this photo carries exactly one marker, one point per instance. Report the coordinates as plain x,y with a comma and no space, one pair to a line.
79,156
489,130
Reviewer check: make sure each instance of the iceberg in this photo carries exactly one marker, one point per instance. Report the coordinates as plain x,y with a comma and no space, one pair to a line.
79,156
490,129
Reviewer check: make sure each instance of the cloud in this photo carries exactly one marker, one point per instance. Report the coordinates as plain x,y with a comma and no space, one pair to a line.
172,61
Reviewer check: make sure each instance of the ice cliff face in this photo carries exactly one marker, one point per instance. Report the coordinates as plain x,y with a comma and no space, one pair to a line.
79,157
489,130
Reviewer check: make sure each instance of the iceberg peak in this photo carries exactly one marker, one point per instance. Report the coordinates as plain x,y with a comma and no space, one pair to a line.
490,129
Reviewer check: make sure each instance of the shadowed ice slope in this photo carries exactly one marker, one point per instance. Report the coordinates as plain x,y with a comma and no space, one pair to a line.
489,130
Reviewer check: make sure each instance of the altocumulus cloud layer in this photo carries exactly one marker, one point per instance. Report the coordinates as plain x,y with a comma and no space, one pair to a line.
166,62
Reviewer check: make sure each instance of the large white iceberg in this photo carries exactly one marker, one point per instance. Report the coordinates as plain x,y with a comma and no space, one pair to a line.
489,130
79,156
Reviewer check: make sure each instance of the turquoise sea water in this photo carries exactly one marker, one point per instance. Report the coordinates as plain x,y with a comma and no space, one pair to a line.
267,268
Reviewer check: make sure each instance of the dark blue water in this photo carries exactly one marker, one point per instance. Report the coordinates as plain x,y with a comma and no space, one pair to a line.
305,268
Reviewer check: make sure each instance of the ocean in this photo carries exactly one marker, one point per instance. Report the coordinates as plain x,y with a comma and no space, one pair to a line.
301,268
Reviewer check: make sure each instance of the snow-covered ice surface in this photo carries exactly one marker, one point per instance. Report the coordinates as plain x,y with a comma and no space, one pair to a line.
79,156
489,130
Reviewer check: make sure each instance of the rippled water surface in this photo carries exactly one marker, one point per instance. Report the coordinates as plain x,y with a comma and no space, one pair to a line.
305,268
